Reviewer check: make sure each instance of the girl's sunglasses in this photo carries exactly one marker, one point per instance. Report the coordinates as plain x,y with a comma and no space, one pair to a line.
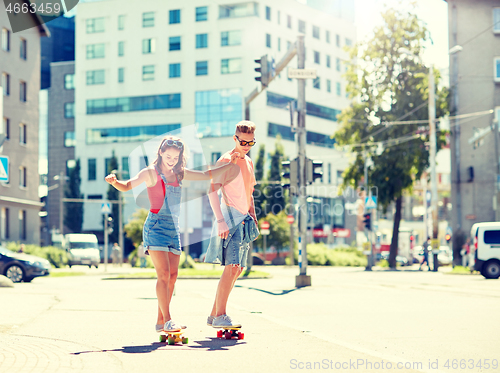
171,142
245,143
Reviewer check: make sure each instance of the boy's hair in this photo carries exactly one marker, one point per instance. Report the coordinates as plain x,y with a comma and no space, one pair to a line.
245,126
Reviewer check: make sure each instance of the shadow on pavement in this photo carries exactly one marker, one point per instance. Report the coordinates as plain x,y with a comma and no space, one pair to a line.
216,344
283,292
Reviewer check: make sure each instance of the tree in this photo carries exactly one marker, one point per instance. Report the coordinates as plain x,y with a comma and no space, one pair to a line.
259,198
387,84
133,229
275,194
279,231
73,211
113,195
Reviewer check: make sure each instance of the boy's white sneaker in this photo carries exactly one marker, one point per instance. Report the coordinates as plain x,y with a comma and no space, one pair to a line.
224,321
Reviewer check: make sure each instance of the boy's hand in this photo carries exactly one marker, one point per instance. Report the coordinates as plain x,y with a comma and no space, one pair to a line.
111,178
234,156
223,229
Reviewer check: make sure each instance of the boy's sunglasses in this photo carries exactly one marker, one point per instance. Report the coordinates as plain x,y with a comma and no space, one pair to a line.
171,142
245,143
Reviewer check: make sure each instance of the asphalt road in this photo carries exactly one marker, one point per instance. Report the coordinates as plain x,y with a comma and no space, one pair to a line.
349,320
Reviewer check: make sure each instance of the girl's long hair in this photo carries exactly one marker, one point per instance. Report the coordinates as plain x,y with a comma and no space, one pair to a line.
181,163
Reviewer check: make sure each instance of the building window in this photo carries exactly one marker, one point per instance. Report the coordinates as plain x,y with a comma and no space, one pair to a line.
95,51
339,89
91,169
337,64
316,57
5,39
201,40
148,72
337,40
174,70
148,19
6,84
329,173
202,68
138,103
22,225
348,42
95,77
319,139
175,43
268,40
23,53
6,126
175,16
230,66
143,162
328,61
23,134
23,182
69,139
316,83
496,20
281,102
273,130
239,10
302,26
268,13
121,75
316,32
328,85
69,110
121,48
69,81
148,46
215,157
125,169
23,91
289,21
95,25
4,231
217,111
121,22
230,38
97,136
327,36
279,44
201,13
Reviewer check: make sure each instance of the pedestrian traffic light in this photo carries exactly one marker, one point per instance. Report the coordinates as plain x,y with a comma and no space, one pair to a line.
447,237
367,221
109,225
291,171
314,170
263,69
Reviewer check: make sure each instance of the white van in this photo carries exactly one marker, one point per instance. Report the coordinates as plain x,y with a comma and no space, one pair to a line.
82,249
487,248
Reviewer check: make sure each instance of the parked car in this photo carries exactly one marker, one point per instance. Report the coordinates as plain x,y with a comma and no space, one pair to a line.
22,267
384,255
487,249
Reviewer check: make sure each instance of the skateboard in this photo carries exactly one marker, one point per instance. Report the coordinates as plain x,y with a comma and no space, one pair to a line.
173,337
230,333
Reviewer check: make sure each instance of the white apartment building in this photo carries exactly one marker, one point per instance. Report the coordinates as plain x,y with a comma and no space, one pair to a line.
143,69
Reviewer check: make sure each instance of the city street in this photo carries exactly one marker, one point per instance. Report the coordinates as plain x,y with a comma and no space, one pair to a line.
348,319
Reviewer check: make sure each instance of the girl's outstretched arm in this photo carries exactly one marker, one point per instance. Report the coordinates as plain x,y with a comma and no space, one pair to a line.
146,175
216,172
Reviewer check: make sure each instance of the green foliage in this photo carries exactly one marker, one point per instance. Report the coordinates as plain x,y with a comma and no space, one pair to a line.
113,195
73,211
258,196
279,235
319,254
133,229
276,194
134,261
56,256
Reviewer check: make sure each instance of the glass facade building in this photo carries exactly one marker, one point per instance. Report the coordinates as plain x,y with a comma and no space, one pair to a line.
218,111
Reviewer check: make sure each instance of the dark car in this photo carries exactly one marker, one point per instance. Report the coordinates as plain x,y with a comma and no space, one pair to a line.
22,267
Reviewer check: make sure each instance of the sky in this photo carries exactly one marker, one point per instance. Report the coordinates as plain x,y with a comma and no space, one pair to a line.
433,12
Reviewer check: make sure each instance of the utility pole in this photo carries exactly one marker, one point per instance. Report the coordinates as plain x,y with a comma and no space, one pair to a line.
106,216
61,203
302,279
434,188
120,227
369,262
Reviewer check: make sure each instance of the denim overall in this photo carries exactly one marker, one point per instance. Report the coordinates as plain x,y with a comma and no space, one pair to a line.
161,230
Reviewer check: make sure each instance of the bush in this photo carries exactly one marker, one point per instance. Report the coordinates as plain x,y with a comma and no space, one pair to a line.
134,261
319,254
57,257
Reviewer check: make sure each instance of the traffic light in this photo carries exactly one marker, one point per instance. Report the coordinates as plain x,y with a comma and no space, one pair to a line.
447,237
263,69
314,170
109,225
367,221
291,171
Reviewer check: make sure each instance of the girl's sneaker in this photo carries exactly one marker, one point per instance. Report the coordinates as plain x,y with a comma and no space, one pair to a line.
210,320
172,326
159,328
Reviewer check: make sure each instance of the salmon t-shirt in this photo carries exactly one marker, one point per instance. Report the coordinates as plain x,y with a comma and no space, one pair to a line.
245,181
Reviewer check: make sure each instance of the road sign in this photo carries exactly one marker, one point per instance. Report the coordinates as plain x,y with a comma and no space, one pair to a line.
290,219
106,208
4,168
370,202
265,232
264,225
302,73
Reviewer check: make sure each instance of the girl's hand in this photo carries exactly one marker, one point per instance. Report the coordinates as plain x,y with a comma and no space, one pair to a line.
111,178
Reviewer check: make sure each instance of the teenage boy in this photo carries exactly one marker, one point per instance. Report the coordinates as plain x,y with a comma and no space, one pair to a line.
236,222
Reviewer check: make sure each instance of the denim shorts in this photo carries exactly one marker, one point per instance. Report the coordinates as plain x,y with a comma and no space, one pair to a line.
235,251
161,233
